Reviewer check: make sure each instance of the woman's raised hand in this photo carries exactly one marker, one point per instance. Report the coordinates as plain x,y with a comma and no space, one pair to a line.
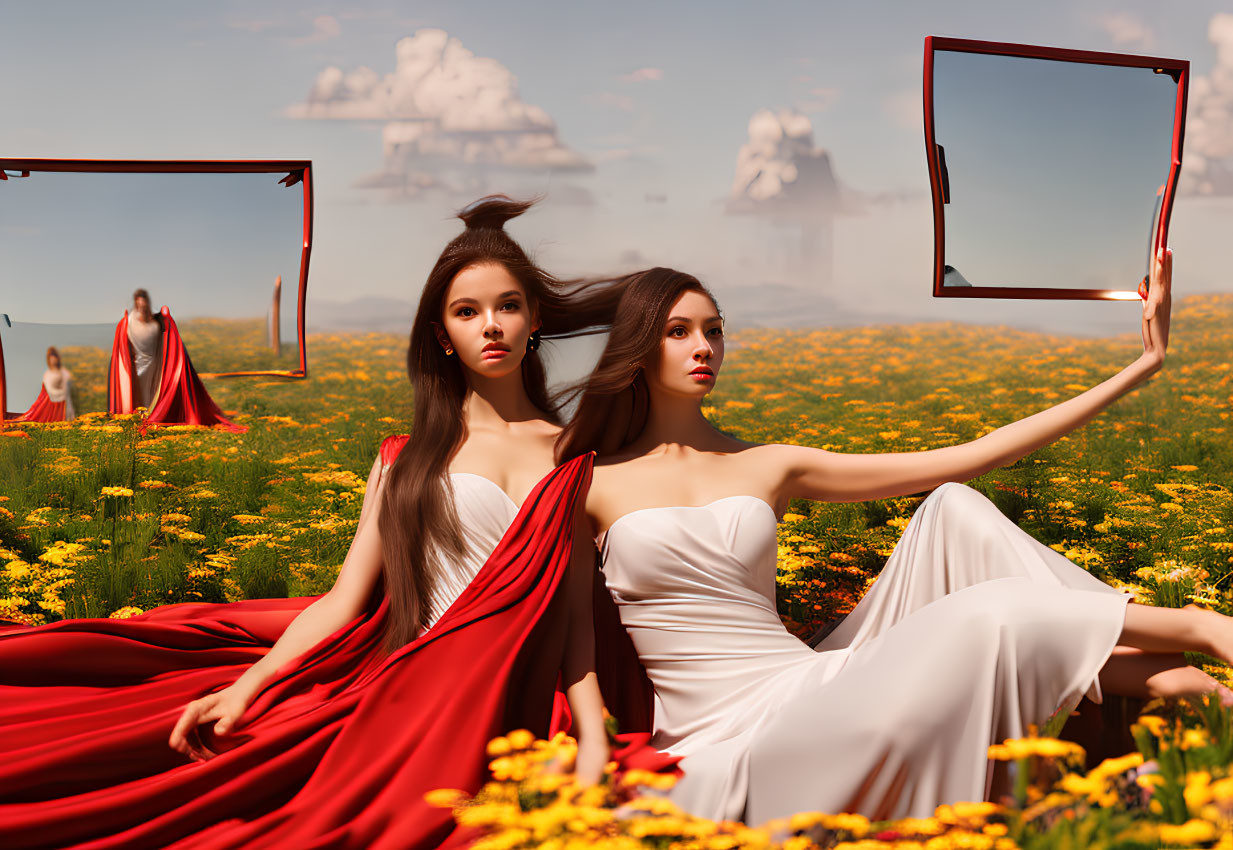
1157,307
223,708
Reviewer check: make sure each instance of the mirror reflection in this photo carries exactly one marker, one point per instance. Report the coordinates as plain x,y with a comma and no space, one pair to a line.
110,269
1054,169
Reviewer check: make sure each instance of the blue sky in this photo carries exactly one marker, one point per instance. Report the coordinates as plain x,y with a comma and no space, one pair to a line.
650,102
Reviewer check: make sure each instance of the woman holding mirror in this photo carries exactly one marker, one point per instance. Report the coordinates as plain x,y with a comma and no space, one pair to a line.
55,399
973,631
460,600
150,368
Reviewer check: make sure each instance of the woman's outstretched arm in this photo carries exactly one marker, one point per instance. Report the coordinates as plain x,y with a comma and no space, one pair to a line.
339,606
586,704
816,474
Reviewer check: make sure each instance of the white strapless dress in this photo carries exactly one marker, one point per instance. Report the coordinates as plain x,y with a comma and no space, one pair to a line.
146,339
973,631
485,512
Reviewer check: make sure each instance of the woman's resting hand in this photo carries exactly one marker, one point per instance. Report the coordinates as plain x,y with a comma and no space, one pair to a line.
222,708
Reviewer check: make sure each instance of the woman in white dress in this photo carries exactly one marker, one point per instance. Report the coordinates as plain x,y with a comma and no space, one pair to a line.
58,382
54,402
145,340
973,632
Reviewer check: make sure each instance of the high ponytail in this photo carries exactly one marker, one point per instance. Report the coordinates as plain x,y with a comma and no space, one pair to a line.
491,212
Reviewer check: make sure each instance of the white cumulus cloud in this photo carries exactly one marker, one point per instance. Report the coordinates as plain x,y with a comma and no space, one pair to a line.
780,170
1207,162
446,110
1127,29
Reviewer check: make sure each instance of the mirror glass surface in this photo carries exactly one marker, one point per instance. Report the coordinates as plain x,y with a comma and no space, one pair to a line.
1054,169
210,247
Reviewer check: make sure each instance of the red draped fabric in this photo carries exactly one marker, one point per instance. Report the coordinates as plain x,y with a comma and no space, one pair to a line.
338,749
182,397
120,373
43,410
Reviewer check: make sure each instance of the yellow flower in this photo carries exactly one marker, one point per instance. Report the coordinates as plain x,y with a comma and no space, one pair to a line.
520,739
443,798
1153,724
790,517
1191,832
125,613
649,779
1193,738
338,478
1017,748
117,491
1093,786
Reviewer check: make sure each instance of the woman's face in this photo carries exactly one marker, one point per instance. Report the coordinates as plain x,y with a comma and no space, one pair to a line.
691,349
53,361
487,320
141,304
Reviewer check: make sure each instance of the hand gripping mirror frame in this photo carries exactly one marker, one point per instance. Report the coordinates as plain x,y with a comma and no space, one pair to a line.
295,170
1178,69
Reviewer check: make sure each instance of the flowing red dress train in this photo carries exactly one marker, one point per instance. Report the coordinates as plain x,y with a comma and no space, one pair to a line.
344,741
43,410
182,397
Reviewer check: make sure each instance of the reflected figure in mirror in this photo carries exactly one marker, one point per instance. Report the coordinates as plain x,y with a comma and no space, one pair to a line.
145,337
150,368
55,398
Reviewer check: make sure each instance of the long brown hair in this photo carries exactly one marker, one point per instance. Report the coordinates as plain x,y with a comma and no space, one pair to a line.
612,412
418,522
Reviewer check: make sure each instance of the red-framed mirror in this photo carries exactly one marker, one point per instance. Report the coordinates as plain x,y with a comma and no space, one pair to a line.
223,244
1053,171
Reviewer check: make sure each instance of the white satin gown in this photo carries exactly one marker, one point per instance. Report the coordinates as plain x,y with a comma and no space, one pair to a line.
972,631
58,384
485,513
146,341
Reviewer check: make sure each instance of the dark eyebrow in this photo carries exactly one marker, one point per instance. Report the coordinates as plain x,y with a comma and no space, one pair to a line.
511,293
686,321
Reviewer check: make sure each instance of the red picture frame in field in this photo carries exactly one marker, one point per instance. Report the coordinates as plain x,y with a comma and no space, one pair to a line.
296,171
1178,69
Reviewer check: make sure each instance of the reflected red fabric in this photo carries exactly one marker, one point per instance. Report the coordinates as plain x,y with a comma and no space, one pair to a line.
120,374
43,410
342,744
182,397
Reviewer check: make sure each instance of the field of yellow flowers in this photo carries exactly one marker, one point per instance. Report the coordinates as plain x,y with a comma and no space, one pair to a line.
98,519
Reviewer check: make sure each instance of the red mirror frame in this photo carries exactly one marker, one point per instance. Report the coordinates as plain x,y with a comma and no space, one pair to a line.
1177,68
297,171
